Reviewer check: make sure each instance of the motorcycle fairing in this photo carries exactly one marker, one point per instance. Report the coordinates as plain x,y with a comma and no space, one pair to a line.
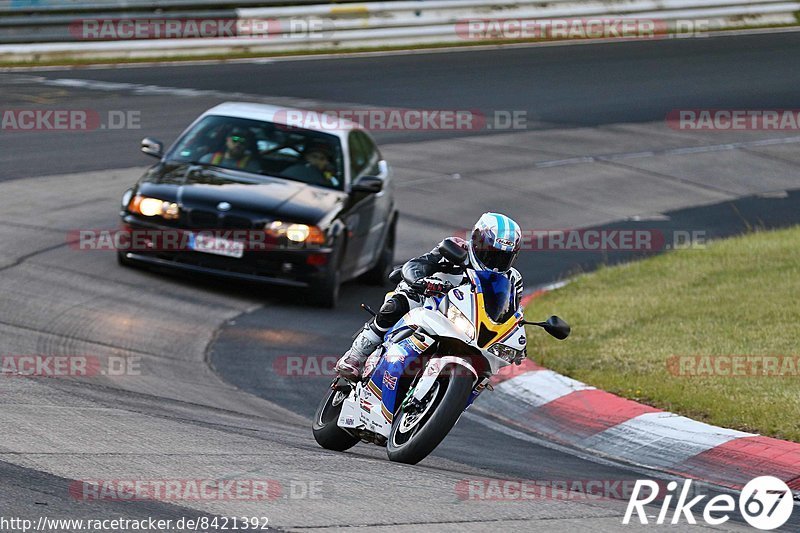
385,379
362,411
488,331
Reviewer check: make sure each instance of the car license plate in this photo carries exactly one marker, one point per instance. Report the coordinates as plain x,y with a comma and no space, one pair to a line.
211,244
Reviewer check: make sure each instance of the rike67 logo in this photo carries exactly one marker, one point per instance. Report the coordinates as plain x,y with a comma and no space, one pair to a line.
765,503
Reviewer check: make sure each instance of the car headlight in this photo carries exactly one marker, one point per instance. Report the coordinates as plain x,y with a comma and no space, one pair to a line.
152,207
460,321
126,198
298,233
507,353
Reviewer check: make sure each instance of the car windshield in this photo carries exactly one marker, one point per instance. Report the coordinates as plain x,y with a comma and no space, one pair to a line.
263,148
497,295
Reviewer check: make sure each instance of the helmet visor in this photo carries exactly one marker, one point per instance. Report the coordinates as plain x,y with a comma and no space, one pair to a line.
494,259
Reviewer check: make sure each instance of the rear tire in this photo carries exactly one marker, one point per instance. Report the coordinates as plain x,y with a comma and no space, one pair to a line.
450,395
326,431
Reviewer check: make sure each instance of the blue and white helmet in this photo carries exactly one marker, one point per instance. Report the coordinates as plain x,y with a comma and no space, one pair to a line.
495,243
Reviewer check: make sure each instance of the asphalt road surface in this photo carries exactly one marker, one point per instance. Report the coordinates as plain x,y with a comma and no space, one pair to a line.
562,86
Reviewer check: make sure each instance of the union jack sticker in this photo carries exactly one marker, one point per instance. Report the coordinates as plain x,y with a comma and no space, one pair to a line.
388,380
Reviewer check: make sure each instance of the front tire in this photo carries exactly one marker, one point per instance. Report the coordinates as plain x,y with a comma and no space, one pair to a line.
326,431
412,439
122,260
325,293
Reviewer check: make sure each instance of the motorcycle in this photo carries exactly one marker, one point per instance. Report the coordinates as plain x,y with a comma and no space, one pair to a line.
431,367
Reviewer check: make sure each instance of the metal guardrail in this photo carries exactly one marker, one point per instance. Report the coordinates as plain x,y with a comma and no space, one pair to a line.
43,21
11,7
49,33
54,28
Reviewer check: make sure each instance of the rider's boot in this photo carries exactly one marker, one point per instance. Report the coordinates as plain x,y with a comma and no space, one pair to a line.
352,362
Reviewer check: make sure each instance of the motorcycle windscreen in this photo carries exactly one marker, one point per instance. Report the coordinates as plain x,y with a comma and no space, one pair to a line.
498,295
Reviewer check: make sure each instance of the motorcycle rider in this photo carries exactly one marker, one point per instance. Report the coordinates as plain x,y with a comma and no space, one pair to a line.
494,245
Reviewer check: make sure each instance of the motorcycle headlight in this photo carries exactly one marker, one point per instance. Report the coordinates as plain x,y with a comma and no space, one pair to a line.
152,207
460,321
506,353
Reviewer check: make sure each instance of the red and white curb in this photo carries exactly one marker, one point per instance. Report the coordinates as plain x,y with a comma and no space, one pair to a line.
569,412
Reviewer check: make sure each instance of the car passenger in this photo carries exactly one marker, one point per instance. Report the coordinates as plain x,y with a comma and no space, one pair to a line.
316,168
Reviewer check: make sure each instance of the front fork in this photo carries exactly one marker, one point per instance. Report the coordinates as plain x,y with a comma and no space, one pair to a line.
412,399
479,388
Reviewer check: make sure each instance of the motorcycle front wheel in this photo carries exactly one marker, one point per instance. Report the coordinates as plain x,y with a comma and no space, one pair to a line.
418,429
326,431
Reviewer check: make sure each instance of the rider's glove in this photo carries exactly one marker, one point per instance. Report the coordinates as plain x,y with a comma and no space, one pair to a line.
432,286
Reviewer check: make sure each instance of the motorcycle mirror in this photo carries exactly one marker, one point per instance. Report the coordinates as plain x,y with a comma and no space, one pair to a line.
397,275
452,252
554,326
557,328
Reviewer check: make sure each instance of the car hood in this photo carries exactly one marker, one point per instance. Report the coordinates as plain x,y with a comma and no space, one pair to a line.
257,197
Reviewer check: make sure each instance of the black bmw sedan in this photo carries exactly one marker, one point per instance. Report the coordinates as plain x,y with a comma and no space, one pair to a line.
265,194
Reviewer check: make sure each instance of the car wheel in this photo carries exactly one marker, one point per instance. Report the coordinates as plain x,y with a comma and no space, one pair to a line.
124,261
379,274
325,293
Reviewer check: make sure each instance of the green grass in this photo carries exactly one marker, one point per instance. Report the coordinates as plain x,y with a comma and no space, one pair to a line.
739,296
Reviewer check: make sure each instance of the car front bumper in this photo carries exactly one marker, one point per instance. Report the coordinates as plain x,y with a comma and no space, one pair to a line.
277,266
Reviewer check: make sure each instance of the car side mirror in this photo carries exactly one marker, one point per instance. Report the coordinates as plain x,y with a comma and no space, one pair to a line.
452,252
368,184
153,147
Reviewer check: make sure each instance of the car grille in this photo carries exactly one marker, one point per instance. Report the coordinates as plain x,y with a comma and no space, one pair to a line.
201,219
236,222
